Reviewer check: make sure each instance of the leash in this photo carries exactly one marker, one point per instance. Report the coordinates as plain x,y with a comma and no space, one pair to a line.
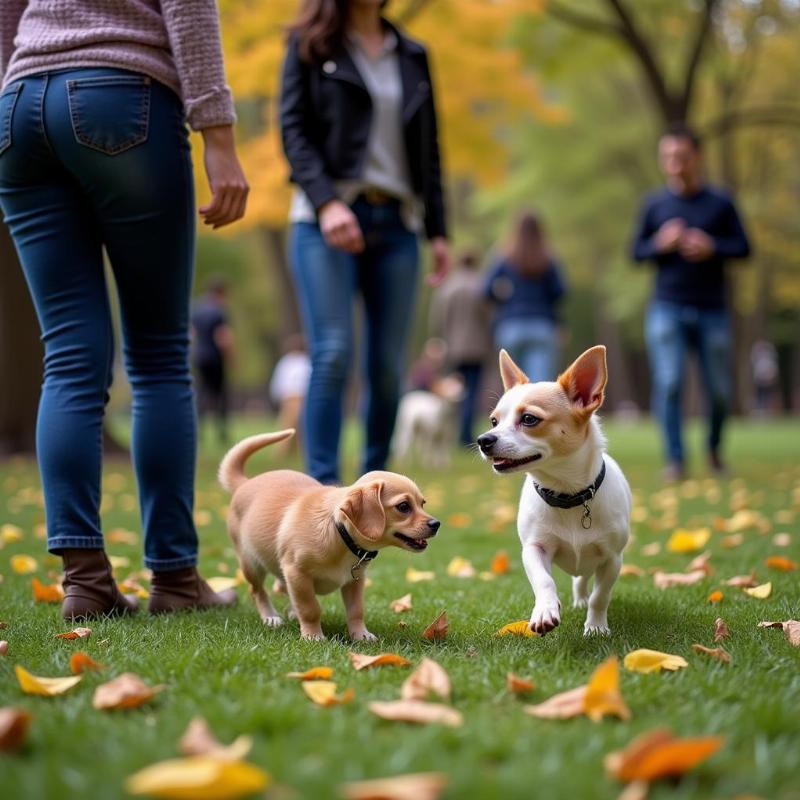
582,498
359,552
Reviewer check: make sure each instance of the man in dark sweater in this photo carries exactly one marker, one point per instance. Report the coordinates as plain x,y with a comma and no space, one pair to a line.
688,230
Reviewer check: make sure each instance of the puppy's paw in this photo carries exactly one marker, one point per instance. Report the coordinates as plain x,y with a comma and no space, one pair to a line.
596,627
273,621
580,602
363,635
313,636
546,616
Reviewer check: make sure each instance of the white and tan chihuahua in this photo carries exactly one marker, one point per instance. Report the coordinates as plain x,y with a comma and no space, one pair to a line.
575,505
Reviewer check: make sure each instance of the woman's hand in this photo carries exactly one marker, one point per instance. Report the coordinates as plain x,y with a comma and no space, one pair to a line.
440,251
339,226
226,179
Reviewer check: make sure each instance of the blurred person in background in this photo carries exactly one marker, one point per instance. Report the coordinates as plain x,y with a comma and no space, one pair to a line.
288,388
688,230
526,286
359,130
461,316
764,363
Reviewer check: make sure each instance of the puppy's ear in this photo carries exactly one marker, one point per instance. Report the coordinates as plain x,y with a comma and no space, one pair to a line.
510,372
363,509
585,381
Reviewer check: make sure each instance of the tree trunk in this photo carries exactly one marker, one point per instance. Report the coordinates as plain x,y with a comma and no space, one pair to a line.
20,355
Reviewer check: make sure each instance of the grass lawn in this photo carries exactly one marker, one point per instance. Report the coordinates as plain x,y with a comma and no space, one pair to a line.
230,669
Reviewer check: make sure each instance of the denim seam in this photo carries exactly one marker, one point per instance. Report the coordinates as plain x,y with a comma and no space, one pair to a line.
164,564
5,135
88,542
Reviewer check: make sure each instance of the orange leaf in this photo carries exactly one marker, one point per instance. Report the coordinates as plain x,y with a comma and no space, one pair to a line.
563,705
14,724
46,593
517,685
713,652
602,694
791,628
313,674
77,633
437,630
126,691
417,711
80,662
501,564
715,596
520,628
418,786
631,570
459,520
720,629
429,677
323,693
401,604
782,563
362,661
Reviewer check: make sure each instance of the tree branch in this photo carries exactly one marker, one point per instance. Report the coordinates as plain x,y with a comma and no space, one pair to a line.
771,116
696,54
584,22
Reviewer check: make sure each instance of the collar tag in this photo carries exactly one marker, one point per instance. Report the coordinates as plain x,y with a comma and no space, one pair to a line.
359,552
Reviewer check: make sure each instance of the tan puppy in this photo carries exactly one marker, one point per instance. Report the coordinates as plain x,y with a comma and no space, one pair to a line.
314,538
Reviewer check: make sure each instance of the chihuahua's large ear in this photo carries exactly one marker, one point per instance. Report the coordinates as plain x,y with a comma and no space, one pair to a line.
363,509
585,380
510,372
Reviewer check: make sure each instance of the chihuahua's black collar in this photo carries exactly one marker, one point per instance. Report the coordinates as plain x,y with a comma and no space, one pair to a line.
582,498
359,552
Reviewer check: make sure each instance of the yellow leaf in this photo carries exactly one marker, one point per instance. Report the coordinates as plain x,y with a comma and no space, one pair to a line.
323,693
81,662
221,583
313,674
687,541
401,604
10,533
23,565
428,678
417,711
602,694
126,691
416,575
46,593
761,592
119,562
646,661
417,786
519,628
460,568
438,629
46,687
198,778
362,661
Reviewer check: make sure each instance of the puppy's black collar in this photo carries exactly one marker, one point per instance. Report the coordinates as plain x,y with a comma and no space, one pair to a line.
582,498
359,552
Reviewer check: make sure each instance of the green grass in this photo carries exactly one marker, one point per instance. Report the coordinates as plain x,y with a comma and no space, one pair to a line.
230,669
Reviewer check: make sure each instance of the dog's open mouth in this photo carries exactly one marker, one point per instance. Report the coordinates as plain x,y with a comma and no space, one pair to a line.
415,544
504,464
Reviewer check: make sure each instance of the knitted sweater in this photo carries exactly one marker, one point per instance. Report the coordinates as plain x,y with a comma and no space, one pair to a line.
176,42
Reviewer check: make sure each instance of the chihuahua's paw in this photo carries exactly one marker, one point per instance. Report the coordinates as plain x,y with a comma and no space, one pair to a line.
314,637
292,614
363,636
273,621
545,617
596,628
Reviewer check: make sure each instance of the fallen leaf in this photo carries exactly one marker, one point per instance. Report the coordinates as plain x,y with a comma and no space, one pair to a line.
77,633
687,541
121,536
3,625
313,674
713,652
665,580
417,711
782,540
715,596
220,583
658,754
417,786
362,661
720,629
742,581
126,691
198,740
761,592
81,662
428,678
14,724
460,568
46,687
563,705
782,563
198,778
3,647
23,565
416,575
635,790
46,593
520,628
437,630
701,562
459,520
734,540
323,693
119,562
646,661
10,533
652,549
401,604
602,695
132,586
631,570
517,685
501,564
791,628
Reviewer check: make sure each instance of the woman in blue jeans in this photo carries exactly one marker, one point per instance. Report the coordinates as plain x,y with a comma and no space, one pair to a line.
526,287
359,131
92,158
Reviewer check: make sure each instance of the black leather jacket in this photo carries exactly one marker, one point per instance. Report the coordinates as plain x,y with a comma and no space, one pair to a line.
325,116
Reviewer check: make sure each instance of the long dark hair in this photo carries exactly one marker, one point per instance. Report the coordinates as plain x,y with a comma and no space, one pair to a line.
528,252
320,27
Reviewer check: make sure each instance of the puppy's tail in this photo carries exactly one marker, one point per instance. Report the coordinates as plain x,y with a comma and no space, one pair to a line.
231,469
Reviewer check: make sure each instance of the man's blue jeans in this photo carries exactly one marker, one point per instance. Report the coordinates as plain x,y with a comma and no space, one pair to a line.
532,343
672,331
328,280
93,159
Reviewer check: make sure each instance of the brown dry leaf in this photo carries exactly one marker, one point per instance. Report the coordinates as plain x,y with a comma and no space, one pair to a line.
417,711
658,754
517,685
563,705
631,570
743,581
401,604
14,724
323,693
362,661
198,740
713,652
519,628
761,592
664,580
3,647
437,630
734,540
782,563
3,626
77,633
126,691
720,629
791,627
501,564
313,674
46,687
602,695
46,592
715,596
428,678
417,786
701,562
81,662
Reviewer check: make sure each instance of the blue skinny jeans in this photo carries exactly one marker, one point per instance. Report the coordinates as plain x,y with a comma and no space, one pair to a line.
94,159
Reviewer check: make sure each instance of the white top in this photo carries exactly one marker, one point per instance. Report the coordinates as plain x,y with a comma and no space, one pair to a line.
290,378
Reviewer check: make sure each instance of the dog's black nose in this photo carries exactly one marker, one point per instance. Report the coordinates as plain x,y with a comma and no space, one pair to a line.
486,442
434,524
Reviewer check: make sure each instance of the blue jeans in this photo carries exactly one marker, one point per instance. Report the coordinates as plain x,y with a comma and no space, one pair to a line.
531,342
328,280
471,375
93,159
672,331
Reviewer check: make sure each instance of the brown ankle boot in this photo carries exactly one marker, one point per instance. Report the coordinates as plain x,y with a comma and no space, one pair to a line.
89,587
184,590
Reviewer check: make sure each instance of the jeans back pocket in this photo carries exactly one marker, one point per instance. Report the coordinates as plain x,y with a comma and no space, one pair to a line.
110,113
8,100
